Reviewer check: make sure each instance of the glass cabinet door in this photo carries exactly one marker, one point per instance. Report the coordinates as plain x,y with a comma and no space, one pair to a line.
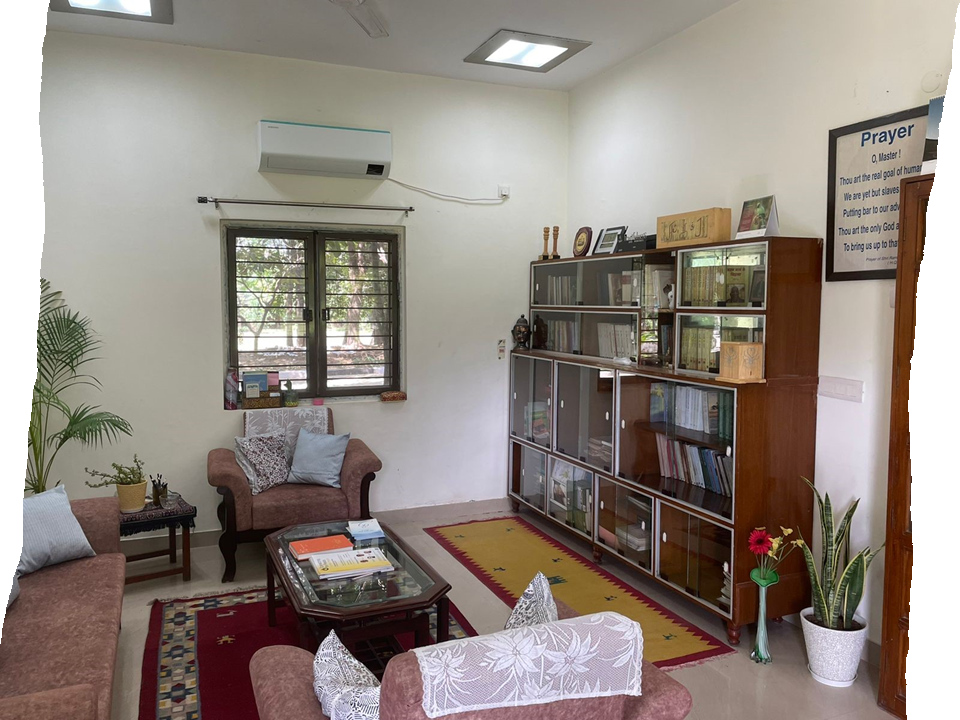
530,416
702,338
570,495
557,284
625,523
609,335
556,331
695,556
724,277
646,411
585,414
529,475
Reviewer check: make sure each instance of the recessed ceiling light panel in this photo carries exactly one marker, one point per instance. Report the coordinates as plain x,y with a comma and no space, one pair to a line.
156,11
525,51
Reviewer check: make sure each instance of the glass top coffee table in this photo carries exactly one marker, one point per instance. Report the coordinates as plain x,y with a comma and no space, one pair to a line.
377,606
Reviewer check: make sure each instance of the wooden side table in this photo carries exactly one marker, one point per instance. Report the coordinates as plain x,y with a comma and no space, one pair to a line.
150,518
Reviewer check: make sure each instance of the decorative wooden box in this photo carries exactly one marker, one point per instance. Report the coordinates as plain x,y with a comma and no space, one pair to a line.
700,227
741,360
269,399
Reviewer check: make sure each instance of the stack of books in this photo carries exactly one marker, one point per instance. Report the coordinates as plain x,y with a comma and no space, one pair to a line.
351,564
365,529
616,340
695,465
305,549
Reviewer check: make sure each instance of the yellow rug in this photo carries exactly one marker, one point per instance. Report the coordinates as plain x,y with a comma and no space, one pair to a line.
505,554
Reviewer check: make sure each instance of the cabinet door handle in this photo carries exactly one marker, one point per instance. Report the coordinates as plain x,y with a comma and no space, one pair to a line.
608,416
664,537
643,525
561,404
601,504
514,396
548,402
623,424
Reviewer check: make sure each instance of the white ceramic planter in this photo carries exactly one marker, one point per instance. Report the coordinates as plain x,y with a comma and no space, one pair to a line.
833,655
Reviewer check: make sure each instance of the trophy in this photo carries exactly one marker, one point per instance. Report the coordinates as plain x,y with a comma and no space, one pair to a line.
556,236
546,239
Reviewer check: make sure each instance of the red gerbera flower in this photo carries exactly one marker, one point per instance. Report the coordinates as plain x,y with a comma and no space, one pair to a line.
760,542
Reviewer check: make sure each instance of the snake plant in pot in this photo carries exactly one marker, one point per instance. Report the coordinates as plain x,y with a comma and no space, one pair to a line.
833,632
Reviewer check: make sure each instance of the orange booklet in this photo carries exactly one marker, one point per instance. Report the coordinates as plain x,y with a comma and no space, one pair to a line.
302,549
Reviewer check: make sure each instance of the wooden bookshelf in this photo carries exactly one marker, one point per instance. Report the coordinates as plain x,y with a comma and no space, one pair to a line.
681,462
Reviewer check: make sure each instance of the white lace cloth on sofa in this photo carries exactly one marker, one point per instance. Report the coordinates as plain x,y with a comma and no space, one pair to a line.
590,656
314,418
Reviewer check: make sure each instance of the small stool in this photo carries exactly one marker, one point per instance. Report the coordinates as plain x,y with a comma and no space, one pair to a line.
153,518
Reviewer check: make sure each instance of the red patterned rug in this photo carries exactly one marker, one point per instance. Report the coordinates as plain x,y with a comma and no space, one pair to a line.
197,655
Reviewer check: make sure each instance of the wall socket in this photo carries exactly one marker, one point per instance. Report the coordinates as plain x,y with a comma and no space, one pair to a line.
503,192
841,389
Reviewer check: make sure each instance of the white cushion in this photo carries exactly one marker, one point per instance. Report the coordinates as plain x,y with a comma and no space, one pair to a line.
535,607
345,687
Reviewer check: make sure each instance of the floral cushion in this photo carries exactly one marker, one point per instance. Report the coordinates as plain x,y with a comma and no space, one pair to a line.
263,460
345,687
535,607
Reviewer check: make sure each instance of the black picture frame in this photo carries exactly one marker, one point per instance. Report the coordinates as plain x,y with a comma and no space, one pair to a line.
833,136
603,245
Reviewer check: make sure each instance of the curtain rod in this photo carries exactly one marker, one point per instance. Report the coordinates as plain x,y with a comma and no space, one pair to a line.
203,200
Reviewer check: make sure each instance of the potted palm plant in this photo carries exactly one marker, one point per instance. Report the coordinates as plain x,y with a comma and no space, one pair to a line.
129,480
833,632
65,344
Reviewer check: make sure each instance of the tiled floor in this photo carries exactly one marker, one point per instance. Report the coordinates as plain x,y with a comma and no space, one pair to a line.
728,687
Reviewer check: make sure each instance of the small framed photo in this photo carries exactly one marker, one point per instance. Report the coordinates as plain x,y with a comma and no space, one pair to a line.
607,240
758,287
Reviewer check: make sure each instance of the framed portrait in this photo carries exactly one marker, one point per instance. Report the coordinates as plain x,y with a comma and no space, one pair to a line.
758,287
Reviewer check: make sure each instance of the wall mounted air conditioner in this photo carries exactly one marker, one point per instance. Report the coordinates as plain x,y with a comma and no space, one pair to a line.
322,150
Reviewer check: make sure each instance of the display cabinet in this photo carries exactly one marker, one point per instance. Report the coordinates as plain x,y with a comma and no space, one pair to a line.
531,416
654,455
625,522
728,276
570,496
585,414
529,481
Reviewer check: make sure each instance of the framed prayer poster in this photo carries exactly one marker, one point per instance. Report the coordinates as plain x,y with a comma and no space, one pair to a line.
866,163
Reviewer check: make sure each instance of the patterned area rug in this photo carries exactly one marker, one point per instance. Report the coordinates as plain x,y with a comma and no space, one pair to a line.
197,655
505,553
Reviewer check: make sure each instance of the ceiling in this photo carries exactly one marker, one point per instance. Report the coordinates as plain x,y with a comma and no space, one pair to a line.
427,37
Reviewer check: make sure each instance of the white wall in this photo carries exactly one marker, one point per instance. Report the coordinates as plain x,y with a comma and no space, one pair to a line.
737,107
133,132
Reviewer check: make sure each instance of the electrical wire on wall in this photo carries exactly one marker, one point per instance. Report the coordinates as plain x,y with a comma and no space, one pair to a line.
451,198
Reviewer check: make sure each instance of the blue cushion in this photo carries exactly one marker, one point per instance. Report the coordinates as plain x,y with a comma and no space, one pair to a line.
51,533
318,458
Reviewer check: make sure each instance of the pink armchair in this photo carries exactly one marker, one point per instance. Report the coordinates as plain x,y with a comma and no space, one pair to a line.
245,517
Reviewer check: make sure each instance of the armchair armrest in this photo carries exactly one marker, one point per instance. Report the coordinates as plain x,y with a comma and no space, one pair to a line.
224,474
99,519
77,702
282,679
360,466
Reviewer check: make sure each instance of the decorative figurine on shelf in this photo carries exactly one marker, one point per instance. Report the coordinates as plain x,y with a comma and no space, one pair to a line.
770,553
546,240
521,334
290,396
556,235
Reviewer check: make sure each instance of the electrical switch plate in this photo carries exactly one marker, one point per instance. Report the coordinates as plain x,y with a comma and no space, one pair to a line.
501,349
841,389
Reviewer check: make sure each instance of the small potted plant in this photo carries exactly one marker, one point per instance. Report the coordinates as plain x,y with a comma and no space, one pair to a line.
833,632
130,482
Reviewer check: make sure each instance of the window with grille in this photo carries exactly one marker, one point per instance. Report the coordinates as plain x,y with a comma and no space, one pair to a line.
320,307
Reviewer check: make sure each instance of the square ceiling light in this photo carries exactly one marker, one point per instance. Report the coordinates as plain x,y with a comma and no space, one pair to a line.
156,11
525,51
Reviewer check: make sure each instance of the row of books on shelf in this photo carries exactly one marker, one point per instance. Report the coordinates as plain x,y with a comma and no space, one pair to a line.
695,465
619,289
600,451
562,290
714,284
698,349
616,340
699,409
563,335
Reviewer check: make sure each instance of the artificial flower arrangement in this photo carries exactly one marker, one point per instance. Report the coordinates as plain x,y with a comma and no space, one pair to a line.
770,551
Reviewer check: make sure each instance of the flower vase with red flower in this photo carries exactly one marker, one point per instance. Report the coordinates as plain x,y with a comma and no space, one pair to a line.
769,552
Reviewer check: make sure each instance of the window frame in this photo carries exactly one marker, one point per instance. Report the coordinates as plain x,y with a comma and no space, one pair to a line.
315,239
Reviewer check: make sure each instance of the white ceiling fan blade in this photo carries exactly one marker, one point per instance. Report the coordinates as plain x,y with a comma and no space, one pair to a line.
366,17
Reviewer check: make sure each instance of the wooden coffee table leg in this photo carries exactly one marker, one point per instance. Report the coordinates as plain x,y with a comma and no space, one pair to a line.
271,601
173,544
186,550
443,619
421,630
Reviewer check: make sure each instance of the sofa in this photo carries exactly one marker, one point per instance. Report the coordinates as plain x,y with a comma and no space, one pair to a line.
283,685
245,517
59,645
